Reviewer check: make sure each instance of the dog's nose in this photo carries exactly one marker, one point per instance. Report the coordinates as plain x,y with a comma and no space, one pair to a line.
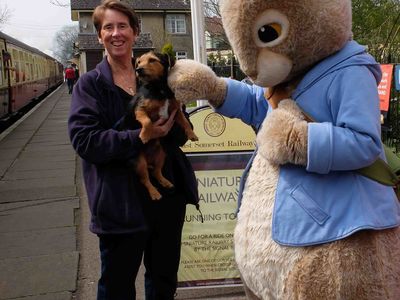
139,71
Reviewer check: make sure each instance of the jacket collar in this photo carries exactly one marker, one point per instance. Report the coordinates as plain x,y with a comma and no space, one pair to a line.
351,54
104,73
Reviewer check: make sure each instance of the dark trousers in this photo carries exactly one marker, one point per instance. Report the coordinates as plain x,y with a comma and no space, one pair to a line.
70,83
121,255
163,249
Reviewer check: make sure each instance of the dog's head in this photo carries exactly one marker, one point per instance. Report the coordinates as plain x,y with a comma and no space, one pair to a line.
153,67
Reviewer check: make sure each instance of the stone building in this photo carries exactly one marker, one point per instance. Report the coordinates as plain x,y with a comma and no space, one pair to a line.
161,22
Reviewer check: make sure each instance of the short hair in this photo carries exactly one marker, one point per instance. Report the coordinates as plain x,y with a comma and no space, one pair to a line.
98,14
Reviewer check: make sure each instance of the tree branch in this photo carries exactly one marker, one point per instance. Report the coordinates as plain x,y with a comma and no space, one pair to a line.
59,3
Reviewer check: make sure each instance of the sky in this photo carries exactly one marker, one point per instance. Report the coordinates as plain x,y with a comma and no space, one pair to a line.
36,22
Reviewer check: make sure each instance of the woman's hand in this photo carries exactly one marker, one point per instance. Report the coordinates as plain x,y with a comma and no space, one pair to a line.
160,128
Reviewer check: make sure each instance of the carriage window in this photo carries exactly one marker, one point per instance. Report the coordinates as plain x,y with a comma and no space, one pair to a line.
2,62
27,72
21,67
17,71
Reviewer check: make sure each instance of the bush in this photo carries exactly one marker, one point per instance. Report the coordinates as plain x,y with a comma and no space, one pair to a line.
168,49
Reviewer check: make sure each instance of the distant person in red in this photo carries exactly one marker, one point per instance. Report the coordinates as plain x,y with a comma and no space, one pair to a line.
70,78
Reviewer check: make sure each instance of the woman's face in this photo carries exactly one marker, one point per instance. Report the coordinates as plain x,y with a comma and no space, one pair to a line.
116,34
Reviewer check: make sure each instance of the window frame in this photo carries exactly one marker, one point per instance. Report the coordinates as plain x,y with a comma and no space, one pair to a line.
178,55
171,23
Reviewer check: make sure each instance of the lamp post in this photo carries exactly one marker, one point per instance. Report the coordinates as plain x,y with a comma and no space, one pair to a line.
199,49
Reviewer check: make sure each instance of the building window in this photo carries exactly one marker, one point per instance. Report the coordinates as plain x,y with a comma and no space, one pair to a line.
181,55
140,23
176,24
208,40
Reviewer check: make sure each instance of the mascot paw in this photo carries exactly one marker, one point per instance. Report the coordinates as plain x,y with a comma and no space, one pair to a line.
191,80
283,135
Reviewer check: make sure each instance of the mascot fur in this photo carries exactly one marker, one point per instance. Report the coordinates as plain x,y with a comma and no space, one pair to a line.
309,226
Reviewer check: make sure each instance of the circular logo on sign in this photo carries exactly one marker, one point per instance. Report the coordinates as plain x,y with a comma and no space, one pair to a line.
214,124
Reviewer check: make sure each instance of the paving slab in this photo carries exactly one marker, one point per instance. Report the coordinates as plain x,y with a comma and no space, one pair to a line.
49,296
52,154
38,165
8,154
44,174
13,206
37,193
13,143
44,148
37,242
41,216
50,140
38,275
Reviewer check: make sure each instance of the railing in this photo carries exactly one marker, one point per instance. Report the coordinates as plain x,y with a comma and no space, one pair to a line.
391,127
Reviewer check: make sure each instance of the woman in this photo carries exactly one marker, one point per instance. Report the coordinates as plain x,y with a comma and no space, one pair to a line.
70,78
126,221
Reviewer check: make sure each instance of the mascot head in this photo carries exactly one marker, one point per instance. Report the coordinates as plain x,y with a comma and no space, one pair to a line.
278,40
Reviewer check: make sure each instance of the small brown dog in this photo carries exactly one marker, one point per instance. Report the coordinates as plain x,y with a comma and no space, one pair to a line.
154,100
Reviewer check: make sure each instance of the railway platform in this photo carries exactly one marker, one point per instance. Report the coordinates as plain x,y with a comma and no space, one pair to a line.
46,250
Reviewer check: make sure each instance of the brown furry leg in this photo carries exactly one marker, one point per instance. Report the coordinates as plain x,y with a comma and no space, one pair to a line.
157,171
143,173
147,126
182,121
364,266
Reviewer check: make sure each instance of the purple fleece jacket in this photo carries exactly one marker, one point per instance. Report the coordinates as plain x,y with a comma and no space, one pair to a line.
113,189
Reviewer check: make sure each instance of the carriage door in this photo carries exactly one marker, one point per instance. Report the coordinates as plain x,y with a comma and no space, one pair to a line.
4,99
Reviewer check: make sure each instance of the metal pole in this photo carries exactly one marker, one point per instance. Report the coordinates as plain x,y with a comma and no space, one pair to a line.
199,49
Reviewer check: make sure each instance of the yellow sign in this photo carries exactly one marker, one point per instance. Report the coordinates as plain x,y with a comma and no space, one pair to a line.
218,158
217,133
207,248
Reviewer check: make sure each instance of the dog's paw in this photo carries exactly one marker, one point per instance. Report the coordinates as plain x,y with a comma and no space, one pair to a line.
165,183
192,136
145,135
283,135
155,194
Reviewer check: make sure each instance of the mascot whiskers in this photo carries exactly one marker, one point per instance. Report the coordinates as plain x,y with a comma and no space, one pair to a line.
309,226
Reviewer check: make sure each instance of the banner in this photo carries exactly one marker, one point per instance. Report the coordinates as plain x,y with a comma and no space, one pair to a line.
385,86
218,158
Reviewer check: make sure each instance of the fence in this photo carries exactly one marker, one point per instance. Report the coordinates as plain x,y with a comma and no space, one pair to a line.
229,71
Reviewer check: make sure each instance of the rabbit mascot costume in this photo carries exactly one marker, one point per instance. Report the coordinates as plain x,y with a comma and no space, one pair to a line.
309,225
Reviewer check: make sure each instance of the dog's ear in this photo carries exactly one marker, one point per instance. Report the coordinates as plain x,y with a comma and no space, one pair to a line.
168,61
171,61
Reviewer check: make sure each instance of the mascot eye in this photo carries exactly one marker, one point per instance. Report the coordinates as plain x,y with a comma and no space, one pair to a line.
270,32
270,28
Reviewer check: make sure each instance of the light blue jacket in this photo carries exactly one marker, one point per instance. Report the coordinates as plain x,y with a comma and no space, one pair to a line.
326,200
